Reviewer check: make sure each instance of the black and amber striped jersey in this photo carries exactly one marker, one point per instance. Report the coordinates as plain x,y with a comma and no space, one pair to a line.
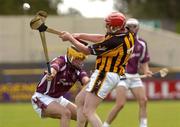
113,52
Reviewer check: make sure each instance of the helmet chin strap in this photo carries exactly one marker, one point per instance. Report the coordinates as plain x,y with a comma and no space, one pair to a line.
69,59
113,30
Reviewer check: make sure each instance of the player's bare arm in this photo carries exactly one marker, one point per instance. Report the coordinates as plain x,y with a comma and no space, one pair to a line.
89,37
144,67
81,47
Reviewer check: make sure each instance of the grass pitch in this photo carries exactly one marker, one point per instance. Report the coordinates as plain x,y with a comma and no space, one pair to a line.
160,114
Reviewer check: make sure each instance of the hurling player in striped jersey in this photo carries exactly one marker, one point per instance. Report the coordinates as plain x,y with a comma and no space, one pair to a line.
112,51
138,60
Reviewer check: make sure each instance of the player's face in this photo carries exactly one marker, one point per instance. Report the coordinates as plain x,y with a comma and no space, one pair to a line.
108,28
133,28
77,63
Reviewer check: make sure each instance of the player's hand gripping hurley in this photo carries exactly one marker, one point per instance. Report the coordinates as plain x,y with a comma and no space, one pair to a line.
160,74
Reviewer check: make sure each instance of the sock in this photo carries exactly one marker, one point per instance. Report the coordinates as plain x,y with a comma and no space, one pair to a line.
105,124
143,122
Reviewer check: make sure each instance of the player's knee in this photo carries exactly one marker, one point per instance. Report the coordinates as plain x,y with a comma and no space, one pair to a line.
119,105
143,101
66,114
87,112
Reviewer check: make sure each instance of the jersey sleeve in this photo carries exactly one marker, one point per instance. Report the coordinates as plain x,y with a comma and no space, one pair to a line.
81,75
106,45
57,63
145,54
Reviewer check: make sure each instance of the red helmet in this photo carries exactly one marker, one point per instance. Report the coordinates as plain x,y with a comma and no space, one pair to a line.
116,19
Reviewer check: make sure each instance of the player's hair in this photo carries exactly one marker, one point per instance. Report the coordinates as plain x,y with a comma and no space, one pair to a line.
73,53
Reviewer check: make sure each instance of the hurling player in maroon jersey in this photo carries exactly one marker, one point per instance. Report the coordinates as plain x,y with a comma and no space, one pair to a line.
48,100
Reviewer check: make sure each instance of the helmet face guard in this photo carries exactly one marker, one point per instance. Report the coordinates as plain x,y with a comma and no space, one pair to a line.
75,57
112,30
133,25
115,22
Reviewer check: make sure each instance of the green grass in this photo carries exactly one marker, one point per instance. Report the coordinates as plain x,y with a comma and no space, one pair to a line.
160,114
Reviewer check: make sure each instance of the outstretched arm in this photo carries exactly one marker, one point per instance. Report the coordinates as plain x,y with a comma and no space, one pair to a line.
81,47
89,37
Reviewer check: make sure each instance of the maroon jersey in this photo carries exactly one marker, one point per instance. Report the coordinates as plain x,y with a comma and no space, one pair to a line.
65,78
140,55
